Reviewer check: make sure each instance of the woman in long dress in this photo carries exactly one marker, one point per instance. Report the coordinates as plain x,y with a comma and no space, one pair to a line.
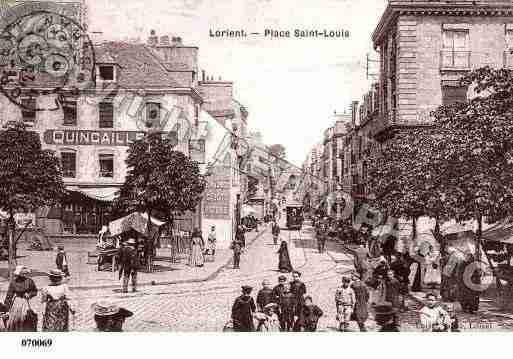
20,291
197,243
56,298
284,264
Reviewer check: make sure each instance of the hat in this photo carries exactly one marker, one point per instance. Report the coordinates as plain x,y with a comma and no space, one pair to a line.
270,306
282,278
55,273
106,308
61,247
131,241
247,289
266,282
20,269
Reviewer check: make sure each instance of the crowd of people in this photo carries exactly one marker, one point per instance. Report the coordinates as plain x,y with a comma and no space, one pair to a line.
286,307
17,315
390,275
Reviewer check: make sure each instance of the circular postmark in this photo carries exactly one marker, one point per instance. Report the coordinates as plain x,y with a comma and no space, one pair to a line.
42,53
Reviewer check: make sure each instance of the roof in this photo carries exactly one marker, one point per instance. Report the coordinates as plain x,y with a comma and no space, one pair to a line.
439,7
139,67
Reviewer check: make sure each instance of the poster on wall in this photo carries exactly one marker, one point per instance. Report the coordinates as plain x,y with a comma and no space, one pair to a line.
216,199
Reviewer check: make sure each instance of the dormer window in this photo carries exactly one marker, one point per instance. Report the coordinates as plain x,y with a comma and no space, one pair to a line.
106,73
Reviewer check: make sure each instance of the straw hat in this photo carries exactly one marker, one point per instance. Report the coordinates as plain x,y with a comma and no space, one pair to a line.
271,306
56,273
131,241
20,269
106,308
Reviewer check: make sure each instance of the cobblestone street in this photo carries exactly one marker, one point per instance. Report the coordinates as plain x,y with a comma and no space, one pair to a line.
206,306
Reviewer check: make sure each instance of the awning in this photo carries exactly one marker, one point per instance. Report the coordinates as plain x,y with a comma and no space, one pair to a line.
136,221
100,194
500,232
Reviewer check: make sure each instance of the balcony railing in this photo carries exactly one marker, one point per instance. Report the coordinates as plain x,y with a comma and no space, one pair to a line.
454,60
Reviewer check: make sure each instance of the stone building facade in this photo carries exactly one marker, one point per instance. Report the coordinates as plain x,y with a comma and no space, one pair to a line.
425,47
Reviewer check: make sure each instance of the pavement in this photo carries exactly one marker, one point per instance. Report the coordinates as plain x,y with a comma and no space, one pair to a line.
206,306
84,273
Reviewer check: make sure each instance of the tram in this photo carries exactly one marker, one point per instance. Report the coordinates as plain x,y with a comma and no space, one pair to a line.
294,213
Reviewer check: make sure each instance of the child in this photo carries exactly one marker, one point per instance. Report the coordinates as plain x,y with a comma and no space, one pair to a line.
271,322
309,315
265,295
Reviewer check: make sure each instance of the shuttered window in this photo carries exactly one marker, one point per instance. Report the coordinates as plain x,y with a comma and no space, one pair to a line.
69,164
69,108
106,115
453,94
106,165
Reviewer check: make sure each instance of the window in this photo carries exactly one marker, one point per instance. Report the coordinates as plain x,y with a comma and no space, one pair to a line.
453,94
106,72
69,109
106,115
509,38
69,164
455,52
28,111
196,114
152,114
106,165
508,53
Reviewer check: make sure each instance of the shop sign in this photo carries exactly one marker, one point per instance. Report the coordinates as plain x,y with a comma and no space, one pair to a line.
91,137
216,198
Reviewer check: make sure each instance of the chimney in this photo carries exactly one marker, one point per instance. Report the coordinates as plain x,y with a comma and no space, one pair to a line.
164,40
153,40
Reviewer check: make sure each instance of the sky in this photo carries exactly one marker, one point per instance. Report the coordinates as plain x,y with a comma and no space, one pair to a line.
290,86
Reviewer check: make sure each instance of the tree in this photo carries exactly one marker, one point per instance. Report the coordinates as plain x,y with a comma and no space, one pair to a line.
30,177
159,179
278,150
474,149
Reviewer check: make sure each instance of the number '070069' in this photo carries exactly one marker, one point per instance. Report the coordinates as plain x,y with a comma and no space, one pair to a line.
36,343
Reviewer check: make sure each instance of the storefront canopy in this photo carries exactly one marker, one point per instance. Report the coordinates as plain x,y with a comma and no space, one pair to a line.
136,221
500,232
100,194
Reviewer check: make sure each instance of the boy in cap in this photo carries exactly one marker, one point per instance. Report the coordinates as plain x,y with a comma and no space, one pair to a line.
265,295
242,311
344,300
61,261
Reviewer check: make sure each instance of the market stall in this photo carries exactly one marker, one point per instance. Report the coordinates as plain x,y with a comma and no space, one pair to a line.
145,231
498,248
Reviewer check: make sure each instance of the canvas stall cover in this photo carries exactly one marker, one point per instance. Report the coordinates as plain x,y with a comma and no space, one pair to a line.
136,221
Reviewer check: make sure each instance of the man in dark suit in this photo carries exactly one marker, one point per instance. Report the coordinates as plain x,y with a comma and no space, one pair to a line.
61,261
288,309
298,289
128,264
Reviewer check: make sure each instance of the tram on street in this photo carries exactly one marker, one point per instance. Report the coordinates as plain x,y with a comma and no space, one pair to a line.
294,216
